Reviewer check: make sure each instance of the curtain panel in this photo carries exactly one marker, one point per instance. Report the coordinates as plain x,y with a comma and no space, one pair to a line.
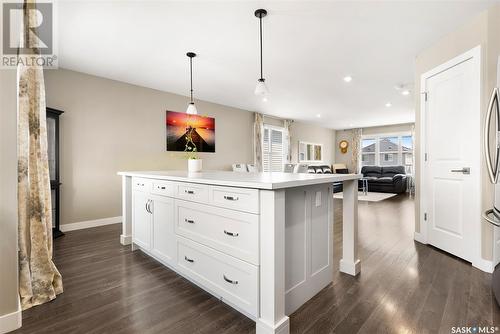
39,279
287,123
257,130
356,144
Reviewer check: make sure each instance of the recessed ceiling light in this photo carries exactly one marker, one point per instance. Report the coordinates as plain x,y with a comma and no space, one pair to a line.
318,115
388,104
406,92
348,78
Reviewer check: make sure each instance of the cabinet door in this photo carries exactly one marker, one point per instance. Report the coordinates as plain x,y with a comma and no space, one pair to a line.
141,226
164,241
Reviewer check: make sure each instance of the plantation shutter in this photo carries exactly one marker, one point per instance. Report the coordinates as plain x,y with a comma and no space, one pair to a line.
273,150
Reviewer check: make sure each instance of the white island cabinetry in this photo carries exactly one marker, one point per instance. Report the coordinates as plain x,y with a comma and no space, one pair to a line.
262,243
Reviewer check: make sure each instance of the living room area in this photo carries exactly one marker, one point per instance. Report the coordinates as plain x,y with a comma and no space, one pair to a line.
384,155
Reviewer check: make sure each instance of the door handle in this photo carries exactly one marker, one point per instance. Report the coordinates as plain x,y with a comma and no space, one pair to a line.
492,168
492,221
464,170
188,259
190,221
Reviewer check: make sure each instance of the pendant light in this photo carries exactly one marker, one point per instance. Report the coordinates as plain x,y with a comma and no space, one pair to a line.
191,109
261,88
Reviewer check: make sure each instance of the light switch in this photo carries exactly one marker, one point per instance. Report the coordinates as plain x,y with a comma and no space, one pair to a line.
318,198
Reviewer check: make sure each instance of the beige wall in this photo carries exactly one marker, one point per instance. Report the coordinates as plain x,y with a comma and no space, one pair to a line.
346,158
108,126
8,193
482,30
300,131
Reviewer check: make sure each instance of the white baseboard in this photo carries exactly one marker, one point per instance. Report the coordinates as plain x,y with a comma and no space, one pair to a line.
125,239
11,321
90,223
484,265
419,237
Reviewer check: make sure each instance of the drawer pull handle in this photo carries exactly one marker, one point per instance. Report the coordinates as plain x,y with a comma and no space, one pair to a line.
163,188
190,221
231,233
229,281
190,192
188,259
231,198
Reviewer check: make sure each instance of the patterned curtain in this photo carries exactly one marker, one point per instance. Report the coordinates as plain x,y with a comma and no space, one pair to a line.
286,124
356,144
257,129
39,279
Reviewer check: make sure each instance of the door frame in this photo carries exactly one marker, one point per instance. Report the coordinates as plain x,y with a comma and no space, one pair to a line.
475,55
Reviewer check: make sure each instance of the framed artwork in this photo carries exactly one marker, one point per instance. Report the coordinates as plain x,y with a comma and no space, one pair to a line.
180,124
310,152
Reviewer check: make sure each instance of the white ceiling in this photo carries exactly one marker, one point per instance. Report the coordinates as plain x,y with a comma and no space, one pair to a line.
309,46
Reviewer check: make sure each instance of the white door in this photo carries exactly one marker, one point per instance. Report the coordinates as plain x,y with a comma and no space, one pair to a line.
141,227
164,242
452,146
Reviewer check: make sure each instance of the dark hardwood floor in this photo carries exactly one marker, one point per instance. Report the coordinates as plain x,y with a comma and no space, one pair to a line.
404,287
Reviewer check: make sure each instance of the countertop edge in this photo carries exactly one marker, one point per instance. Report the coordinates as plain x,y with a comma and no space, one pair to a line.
245,184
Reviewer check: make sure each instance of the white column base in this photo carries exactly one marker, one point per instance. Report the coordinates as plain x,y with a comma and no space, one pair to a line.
349,267
125,239
283,327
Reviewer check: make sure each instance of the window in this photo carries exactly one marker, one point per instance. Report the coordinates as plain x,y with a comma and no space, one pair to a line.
274,149
388,150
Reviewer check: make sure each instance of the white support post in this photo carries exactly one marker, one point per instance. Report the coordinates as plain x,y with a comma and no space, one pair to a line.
126,236
350,263
272,318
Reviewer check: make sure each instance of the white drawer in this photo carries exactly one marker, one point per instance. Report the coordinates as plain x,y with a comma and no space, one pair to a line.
164,188
235,198
232,232
233,280
191,192
141,184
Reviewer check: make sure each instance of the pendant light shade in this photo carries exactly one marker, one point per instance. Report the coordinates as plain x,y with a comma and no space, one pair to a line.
191,109
261,89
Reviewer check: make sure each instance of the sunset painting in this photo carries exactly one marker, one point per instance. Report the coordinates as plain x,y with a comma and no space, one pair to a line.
179,124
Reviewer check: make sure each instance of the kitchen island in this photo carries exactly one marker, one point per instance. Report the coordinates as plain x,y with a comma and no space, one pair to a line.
260,242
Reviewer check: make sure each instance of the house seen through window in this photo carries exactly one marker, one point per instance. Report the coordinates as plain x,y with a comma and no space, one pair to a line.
388,151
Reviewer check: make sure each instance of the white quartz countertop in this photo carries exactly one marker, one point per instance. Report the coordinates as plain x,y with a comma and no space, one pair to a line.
267,181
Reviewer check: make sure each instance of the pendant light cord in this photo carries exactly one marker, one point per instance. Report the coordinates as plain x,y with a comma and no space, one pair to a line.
191,75
260,22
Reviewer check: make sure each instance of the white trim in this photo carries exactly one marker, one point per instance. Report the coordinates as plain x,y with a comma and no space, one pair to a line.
475,55
11,321
91,223
484,265
419,238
